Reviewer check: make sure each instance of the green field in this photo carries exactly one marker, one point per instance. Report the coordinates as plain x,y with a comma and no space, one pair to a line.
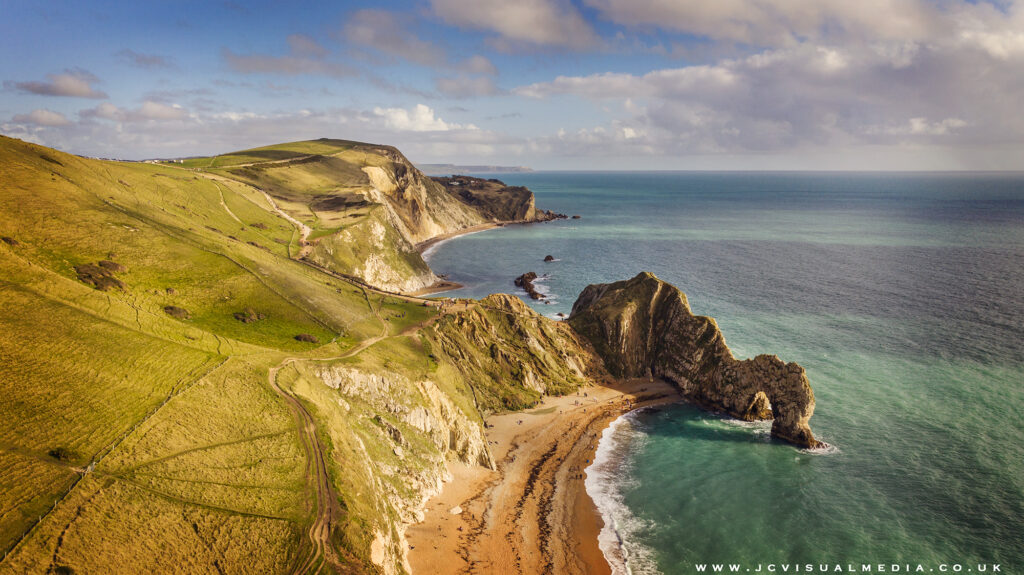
171,373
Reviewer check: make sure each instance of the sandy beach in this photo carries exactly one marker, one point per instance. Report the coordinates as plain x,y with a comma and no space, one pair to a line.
533,514
422,247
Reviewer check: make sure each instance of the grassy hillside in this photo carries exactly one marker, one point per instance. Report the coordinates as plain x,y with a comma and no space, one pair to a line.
167,411
182,393
351,195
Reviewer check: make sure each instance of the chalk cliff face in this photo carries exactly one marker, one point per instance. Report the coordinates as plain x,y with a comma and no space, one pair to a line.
420,207
395,434
644,326
368,207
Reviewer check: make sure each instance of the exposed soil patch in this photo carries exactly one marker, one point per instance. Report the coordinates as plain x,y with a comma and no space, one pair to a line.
259,226
113,267
99,276
177,312
249,316
308,338
10,241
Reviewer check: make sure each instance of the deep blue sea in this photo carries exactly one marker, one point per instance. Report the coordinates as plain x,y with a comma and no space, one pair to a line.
903,297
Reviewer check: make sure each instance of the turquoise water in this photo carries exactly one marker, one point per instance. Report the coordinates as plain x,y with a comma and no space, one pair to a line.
901,294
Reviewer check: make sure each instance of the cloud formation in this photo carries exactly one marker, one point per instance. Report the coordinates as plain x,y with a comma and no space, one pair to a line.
147,112
386,32
75,83
554,23
41,117
776,22
420,118
609,82
305,57
957,85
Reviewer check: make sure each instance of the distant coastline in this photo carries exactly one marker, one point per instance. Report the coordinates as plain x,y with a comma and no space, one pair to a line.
452,169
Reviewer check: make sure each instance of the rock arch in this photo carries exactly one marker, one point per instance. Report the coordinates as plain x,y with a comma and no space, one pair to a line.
644,326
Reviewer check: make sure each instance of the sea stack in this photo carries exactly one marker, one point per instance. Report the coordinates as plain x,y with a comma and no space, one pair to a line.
525,281
644,327
549,258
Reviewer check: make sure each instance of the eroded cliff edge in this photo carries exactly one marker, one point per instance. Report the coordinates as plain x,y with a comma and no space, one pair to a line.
644,327
366,206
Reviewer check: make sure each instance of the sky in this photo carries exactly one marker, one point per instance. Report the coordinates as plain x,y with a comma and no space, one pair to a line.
549,84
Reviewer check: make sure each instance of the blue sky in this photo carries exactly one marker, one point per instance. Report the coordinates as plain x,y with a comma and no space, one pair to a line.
552,84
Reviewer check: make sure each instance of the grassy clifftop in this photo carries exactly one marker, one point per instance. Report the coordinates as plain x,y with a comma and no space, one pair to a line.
182,393
366,206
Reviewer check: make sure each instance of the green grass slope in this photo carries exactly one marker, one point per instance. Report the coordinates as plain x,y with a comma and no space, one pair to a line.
345,191
144,312
120,418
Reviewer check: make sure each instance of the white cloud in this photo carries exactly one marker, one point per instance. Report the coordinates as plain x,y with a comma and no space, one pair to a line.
777,22
920,126
522,22
74,83
148,111
478,65
42,117
806,96
420,118
666,82
1002,45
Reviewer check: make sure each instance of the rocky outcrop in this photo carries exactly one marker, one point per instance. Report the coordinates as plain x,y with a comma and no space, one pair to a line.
420,405
495,200
511,354
525,281
644,327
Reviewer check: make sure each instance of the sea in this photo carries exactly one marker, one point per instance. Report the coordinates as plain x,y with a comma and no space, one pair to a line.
902,294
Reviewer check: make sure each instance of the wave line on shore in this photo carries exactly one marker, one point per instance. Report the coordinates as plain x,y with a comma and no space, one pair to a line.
605,477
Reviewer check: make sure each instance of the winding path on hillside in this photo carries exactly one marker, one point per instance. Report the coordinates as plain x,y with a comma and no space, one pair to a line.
327,510
304,230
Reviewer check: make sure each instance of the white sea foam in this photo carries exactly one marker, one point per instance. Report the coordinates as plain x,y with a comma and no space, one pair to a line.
606,477
829,449
543,289
760,428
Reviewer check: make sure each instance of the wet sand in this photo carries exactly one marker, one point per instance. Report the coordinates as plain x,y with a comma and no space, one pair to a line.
532,515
